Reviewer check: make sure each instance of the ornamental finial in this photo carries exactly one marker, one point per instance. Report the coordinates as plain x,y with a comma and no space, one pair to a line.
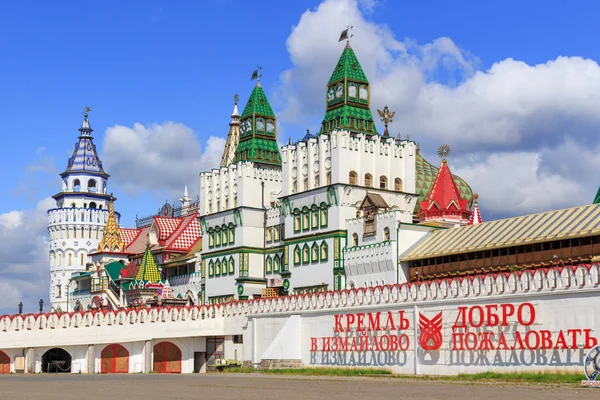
86,110
256,74
443,152
386,117
236,98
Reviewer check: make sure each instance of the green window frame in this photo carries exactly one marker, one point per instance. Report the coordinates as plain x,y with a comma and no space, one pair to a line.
314,253
243,264
217,268
324,251
269,235
297,255
231,234
268,265
217,237
276,233
211,238
305,220
231,266
276,263
211,269
305,254
314,218
324,216
297,221
224,235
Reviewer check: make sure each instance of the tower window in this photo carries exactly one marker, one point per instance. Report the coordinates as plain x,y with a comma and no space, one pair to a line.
353,178
368,180
93,205
76,185
92,186
386,233
398,185
382,182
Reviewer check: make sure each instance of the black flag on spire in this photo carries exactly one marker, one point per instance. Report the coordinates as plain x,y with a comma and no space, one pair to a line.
256,74
346,33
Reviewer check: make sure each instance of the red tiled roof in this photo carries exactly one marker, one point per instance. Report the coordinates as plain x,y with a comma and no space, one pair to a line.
128,235
187,236
166,226
130,271
444,199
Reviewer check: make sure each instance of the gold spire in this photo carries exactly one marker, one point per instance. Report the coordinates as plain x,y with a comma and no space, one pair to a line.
111,239
233,137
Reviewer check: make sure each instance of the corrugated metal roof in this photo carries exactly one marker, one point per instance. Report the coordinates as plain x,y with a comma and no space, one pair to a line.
527,229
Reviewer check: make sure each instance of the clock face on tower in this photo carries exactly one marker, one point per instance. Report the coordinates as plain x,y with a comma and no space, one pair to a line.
330,93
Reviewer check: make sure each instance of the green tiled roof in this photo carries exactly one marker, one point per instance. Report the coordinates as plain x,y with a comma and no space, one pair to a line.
425,176
258,103
597,198
114,270
347,111
253,146
348,67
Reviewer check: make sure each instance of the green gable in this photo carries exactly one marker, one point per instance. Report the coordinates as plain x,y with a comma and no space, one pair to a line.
114,270
258,131
597,198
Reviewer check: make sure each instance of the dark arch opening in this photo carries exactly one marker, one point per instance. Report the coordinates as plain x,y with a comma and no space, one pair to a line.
56,360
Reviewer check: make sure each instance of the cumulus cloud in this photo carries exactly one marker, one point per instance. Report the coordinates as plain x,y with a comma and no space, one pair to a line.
520,133
158,157
25,268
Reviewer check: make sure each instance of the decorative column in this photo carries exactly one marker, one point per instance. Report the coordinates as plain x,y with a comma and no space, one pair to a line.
148,356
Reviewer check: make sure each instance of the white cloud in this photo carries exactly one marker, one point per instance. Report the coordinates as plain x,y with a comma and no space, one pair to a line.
25,268
531,120
159,157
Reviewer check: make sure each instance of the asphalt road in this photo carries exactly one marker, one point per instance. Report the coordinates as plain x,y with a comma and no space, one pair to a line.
255,387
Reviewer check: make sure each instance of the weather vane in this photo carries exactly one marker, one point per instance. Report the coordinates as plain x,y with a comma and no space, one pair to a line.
256,74
386,117
346,33
236,98
86,110
444,151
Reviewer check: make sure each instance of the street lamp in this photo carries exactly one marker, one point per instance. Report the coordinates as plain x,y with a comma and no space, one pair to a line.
20,307
41,305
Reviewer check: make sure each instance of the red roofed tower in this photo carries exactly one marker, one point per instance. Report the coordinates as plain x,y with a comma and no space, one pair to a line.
475,214
444,203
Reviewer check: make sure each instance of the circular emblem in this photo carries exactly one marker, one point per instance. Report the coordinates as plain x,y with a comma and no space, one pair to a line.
240,289
286,284
592,363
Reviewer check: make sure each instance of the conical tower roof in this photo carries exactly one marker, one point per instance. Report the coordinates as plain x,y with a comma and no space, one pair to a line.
475,213
444,201
111,238
233,136
348,97
148,271
258,131
85,157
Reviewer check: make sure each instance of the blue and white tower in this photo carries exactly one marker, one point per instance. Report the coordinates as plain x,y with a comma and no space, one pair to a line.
76,224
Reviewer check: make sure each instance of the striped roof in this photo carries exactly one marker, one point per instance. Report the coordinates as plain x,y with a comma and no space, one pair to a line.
166,226
527,229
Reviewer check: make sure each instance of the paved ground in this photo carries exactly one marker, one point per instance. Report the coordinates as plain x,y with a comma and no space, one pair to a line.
255,387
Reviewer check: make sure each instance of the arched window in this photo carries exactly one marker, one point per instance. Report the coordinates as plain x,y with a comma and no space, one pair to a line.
59,259
355,239
231,266
218,267
294,186
92,186
211,268
328,178
314,217
93,205
398,185
368,180
297,258
76,185
72,205
218,237
317,181
297,221
386,233
276,263
69,259
305,220
305,184
81,259
305,254
382,182
211,238
353,178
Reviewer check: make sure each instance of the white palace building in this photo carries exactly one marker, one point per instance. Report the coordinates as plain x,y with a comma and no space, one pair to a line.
345,248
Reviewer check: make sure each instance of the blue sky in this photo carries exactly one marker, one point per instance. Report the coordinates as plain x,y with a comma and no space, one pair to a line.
510,85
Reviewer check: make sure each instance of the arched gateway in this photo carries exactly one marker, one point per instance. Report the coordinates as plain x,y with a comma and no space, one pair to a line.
114,359
4,363
167,358
56,360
